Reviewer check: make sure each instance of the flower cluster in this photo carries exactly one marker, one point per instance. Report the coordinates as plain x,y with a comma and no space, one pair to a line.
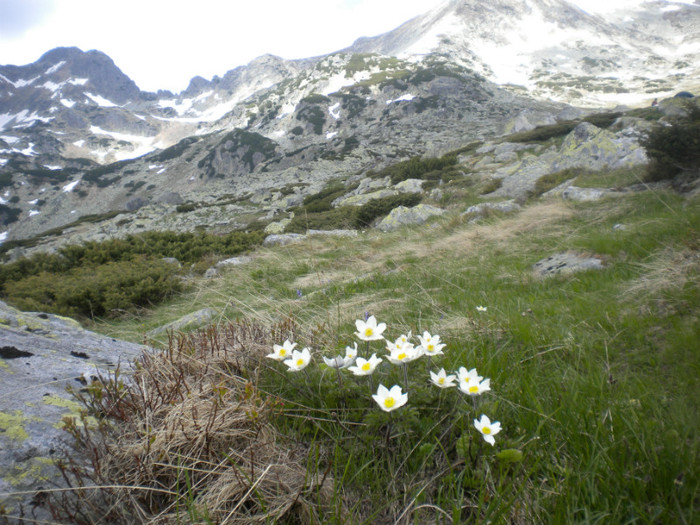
400,352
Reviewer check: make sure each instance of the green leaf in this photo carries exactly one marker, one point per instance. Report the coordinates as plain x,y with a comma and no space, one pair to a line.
510,455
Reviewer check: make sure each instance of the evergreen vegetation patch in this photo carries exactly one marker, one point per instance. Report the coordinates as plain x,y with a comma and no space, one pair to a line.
110,277
675,149
417,168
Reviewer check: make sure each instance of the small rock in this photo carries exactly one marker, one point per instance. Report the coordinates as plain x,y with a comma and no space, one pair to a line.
566,263
234,261
403,216
509,206
574,193
410,186
282,239
211,273
333,233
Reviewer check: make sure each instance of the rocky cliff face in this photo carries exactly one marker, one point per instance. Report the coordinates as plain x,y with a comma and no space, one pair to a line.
78,138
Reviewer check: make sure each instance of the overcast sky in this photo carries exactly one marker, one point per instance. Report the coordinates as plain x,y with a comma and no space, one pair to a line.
162,44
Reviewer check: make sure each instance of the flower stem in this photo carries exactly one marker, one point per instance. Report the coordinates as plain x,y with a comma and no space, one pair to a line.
405,375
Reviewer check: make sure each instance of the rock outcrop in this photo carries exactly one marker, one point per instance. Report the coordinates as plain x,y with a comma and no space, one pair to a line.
403,216
40,356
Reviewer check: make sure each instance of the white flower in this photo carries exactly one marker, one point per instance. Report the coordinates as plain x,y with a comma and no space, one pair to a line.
282,352
441,379
431,344
338,361
389,400
365,367
299,360
464,375
487,429
403,354
369,330
351,352
473,387
481,308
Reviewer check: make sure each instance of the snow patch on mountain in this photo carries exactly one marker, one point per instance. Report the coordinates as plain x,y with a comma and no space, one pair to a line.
55,68
101,101
69,187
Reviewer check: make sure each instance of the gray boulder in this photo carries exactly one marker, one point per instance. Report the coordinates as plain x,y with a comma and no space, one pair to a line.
40,356
403,216
170,197
509,206
410,186
282,239
566,263
234,261
586,147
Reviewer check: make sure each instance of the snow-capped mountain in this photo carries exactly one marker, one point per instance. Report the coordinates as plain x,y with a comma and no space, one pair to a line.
78,137
557,50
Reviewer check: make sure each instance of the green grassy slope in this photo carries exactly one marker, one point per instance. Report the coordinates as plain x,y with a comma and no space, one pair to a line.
594,375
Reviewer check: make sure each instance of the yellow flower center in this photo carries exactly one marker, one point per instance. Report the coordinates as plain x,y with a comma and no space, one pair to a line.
441,380
486,430
283,352
431,347
300,362
389,402
369,332
401,356
473,389
366,367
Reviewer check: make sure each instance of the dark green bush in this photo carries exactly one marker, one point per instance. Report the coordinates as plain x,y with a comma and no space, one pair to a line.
675,149
8,215
184,208
376,208
96,291
417,168
315,98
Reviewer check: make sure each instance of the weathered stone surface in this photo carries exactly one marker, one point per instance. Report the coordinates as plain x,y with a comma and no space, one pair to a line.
188,322
277,227
367,185
170,197
403,216
359,200
211,273
586,147
234,261
529,119
135,203
40,356
410,186
282,239
574,193
333,233
509,206
566,263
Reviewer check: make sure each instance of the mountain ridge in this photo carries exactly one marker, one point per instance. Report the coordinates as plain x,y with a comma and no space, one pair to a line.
78,147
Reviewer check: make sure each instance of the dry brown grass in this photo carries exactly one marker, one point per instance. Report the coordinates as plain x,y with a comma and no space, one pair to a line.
186,438
673,270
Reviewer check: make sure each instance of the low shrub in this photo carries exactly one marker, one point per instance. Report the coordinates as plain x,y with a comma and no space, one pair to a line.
376,208
96,291
675,149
